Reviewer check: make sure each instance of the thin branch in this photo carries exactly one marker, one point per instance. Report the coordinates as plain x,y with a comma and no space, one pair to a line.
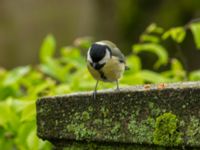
191,21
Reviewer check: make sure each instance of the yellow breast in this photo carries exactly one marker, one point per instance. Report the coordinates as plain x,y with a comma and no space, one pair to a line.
110,72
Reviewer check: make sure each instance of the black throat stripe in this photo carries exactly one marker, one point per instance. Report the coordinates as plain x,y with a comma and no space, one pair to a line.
121,61
102,75
99,66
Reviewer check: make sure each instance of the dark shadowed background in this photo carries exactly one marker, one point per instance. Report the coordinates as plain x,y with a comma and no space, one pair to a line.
24,23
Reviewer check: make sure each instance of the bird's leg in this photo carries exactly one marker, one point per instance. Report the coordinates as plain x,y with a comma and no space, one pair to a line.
95,90
117,89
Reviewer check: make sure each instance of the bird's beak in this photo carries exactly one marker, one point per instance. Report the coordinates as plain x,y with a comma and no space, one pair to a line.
94,65
97,66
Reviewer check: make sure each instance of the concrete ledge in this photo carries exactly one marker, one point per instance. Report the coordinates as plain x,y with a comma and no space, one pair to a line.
164,115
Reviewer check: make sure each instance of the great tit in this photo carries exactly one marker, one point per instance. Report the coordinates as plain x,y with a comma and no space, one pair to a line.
105,62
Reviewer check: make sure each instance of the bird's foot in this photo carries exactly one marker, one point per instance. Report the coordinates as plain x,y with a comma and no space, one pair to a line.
94,95
117,89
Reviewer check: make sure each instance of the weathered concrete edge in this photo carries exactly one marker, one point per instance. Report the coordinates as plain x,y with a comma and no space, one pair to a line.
136,88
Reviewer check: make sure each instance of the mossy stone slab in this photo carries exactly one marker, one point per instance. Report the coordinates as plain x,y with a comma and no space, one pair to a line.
161,115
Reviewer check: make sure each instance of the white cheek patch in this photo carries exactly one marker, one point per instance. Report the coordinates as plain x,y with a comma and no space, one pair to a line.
106,57
88,56
100,43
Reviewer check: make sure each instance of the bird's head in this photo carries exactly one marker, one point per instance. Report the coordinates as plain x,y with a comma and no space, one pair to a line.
98,54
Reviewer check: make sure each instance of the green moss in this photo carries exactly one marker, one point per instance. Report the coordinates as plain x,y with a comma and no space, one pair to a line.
83,127
115,131
85,116
142,129
116,128
97,122
154,110
104,111
142,132
193,132
90,108
166,131
155,129
80,131
78,125
76,116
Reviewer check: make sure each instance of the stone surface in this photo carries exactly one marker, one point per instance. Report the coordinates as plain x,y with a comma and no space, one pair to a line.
159,115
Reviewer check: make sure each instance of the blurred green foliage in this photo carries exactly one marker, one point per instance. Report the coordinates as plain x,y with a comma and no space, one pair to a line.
67,72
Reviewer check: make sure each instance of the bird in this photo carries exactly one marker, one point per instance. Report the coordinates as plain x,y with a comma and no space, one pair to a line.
106,63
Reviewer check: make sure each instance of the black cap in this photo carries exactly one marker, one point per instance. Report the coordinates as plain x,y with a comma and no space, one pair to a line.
97,52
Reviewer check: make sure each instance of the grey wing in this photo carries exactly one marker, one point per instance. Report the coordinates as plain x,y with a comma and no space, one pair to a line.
116,52
121,57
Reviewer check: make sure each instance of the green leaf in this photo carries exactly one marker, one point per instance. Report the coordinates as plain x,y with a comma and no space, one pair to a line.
83,42
177,72
195,28
153,28
149,38
72,55
28,112
5,113
62,88
34,143
157,49
15,75
177,34
176,64
53,68
10,84
177,69
194,75
70,51
8,91
152,77
134,63
33,79
9,118
41,89
132,79
32,140
47,49
23,132
5,143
